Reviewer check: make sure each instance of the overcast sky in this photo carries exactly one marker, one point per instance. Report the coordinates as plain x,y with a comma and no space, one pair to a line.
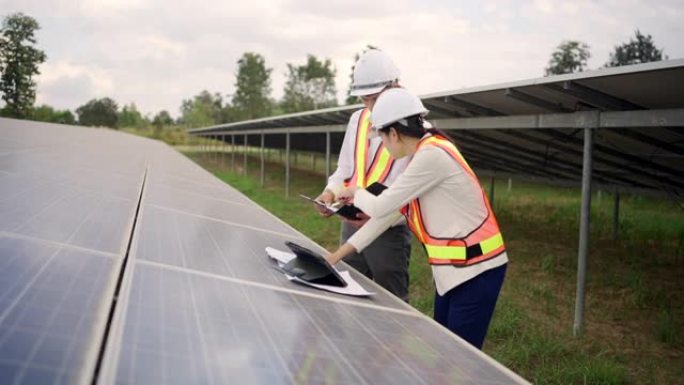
156,53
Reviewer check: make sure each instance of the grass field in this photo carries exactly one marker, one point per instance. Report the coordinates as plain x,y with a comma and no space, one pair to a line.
635,286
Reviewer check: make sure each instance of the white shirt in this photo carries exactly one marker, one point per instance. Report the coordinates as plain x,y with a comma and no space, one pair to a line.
451,205
345,162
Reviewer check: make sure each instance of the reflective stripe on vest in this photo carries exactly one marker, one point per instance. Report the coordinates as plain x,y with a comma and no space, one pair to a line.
483,243
381,164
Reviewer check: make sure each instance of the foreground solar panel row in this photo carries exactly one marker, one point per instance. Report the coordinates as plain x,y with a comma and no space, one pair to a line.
198,300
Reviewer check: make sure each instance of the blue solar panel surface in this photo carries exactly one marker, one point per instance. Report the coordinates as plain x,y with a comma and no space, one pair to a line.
89,215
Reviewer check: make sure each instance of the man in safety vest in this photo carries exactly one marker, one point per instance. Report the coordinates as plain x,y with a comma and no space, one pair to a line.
363,160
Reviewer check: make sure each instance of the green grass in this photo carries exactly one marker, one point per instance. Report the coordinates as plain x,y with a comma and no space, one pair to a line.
634,304
173,135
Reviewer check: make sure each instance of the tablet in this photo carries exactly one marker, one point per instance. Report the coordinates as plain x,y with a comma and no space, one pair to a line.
347,211
312,267
332,208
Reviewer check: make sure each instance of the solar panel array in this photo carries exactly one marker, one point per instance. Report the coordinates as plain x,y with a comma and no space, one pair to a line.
122,262
534,128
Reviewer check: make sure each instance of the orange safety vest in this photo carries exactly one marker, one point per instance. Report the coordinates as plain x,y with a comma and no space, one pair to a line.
481,244
381,164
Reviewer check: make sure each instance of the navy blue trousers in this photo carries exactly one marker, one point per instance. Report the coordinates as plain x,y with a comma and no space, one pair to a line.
467,309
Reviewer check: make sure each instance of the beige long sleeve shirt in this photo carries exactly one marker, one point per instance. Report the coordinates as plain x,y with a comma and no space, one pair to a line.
452,207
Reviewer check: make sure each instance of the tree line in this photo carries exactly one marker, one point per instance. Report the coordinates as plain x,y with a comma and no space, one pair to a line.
308,86
571,55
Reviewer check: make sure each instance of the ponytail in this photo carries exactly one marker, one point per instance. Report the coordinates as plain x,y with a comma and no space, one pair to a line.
437,132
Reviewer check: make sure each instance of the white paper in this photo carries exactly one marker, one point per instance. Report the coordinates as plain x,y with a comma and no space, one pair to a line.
282,257
353,288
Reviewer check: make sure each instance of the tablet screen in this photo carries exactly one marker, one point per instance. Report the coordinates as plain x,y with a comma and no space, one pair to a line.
312,267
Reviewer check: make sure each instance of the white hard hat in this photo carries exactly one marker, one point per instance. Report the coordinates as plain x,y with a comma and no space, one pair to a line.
373,71
394,105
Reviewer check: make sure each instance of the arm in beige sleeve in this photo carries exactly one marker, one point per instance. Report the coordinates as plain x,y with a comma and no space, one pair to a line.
429,167
371,230
363,237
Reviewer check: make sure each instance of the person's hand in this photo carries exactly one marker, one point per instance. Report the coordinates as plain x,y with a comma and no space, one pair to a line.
347,195
340,253
326,197
361,219
333,258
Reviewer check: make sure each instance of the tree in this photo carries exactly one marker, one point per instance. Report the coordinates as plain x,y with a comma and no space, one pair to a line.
46,113
641,50
99,112
19,61
354,99
570,56
131,117
203,110
309,86
252,88
162,119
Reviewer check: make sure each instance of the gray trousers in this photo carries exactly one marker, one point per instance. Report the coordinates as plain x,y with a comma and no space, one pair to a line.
385,260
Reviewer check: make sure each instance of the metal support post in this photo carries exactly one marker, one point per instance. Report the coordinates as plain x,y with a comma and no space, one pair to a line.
327,155
585,212
287,164
223,151
244,159
262,174
616,214
232,153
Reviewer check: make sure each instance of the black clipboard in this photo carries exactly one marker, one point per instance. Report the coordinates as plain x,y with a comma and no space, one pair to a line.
376,188
350,211
312,267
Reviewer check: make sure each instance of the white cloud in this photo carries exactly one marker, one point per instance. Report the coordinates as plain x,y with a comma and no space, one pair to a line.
103,7
157,48
544,6
158,52
58,81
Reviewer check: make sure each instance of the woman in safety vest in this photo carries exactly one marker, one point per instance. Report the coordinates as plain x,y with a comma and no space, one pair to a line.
446,209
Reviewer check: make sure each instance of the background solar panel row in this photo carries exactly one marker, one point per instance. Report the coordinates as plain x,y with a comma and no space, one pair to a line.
533,128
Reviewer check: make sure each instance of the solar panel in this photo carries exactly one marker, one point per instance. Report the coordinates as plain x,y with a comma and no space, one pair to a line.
183,327
94,220
636,111
52,301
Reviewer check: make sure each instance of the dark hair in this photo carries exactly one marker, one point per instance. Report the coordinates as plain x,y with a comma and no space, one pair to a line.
414,128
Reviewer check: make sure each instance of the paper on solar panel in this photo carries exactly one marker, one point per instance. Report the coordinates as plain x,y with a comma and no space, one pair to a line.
352,288
197,298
